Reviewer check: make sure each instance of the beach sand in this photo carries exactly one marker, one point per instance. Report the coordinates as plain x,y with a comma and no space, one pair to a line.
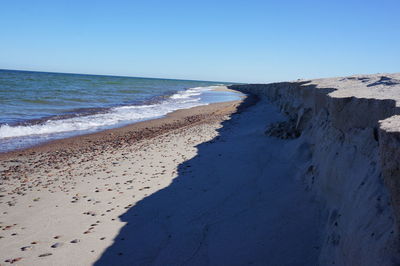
199,187
76,188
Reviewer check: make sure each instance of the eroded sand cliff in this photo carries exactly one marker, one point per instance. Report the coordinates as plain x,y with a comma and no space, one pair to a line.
349,130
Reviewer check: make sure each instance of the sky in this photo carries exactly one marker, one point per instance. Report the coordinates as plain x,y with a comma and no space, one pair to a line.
237,41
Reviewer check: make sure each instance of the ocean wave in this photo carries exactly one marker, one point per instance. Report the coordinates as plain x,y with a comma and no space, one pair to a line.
114,117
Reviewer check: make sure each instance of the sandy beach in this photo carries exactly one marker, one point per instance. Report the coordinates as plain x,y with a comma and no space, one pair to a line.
61,202
188,189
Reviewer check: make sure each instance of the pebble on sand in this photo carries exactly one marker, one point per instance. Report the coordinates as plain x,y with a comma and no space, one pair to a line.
13,260
45,255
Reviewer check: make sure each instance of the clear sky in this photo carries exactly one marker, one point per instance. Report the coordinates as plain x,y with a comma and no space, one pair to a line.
245,41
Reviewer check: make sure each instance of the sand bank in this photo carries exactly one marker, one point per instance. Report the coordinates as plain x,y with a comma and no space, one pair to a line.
349,129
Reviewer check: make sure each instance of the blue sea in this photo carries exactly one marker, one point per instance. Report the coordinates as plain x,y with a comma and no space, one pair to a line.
36,107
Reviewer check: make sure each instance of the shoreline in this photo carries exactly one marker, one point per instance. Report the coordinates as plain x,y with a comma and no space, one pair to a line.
128,134
20,135
135,126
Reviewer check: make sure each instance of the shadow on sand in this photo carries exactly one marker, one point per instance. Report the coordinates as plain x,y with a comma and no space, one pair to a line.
235,203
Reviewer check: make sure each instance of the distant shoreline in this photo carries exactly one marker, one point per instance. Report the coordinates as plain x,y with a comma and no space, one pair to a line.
37,107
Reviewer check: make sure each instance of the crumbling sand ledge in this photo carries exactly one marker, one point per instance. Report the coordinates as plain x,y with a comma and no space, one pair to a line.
351,129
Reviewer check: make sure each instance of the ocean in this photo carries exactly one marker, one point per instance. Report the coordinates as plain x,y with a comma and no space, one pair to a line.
36,107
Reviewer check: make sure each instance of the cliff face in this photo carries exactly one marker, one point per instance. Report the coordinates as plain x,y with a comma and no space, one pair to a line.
351,131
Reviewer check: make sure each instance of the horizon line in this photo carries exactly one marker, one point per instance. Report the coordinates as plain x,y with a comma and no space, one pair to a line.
120,76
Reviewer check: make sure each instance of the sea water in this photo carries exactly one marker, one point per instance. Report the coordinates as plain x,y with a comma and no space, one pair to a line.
36,107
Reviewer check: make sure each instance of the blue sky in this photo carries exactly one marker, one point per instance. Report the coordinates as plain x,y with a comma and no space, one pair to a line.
245,41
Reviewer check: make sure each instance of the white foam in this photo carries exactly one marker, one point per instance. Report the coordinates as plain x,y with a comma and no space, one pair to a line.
114,117
191,92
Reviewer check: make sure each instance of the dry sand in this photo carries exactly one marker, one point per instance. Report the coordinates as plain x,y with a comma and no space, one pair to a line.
60,202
